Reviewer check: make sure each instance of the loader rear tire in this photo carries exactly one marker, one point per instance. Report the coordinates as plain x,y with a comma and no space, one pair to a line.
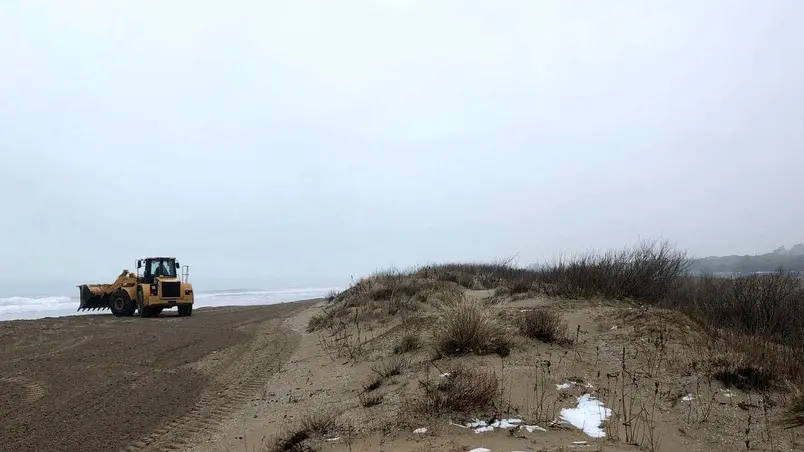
121,304
185,310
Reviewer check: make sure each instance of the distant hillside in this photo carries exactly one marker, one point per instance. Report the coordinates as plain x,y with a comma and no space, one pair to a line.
788,259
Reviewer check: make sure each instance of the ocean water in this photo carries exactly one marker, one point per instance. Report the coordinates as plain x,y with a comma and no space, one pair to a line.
15,308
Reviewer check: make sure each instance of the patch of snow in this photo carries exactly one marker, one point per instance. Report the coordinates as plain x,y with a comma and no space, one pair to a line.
483,426
506,423
476,423
334,439
571,383
480,449
688,398
532,428
587,416
445,374
420,430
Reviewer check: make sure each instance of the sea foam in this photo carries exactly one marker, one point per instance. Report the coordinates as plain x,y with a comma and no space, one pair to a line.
27,308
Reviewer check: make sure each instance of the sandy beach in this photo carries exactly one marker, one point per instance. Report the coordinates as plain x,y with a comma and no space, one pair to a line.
100,383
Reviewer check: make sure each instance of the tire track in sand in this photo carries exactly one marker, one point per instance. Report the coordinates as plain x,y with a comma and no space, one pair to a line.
231,390
30,391
63,348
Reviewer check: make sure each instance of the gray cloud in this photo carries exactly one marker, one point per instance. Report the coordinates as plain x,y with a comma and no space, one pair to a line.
299,142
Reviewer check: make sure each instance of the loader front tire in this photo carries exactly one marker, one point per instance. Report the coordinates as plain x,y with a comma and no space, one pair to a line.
185,310
121,304
142,310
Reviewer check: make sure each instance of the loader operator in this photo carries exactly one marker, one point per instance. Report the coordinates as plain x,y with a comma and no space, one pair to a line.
162,270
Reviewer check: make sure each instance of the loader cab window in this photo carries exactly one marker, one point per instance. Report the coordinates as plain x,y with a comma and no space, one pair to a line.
157,268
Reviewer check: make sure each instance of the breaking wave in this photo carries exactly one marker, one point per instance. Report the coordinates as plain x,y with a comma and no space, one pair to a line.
18,308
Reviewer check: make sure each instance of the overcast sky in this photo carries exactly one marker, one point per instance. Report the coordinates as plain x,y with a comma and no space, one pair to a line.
301,142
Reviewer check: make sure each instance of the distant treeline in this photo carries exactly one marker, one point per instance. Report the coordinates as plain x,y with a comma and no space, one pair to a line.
792,260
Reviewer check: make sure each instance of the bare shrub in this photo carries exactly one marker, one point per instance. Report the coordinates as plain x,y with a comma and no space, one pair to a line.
768,305
331,295
645,272
462,390
468,327
544,325
756,321
409,342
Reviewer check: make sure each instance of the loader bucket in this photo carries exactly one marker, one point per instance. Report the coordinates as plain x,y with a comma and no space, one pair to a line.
93,297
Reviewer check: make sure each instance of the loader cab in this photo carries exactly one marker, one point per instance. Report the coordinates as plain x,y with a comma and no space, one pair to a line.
154,267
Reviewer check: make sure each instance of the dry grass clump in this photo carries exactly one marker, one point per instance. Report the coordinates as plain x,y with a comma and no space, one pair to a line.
468,327
735,372
373,383
383,370
408,343
320,423
473,275
317,322
795,412
368,400
379,297
757,323
645,272
332,316
312,426
752,363
391,366
392,285
291,441
525,284
462,390
544,325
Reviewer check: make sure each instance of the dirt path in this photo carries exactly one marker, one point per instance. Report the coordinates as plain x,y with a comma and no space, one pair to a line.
100,383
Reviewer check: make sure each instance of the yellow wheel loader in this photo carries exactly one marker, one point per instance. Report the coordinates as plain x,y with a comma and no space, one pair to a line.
156,286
